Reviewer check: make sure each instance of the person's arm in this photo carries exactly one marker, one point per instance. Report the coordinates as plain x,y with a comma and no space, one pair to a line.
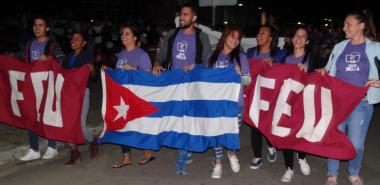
57,53
373,83
206,46
161,55
145,63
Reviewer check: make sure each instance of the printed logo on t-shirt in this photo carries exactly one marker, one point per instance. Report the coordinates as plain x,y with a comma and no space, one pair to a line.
181,49
221,63
35,55
352,61
121,62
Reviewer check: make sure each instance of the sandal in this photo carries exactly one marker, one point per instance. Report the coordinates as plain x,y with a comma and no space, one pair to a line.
120,164
146,159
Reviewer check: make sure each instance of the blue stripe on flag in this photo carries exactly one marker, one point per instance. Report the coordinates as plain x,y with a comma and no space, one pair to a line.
197,108
178,76
172,139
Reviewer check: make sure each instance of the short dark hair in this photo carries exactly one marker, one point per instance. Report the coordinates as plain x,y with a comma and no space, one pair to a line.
42,17
134,28
82,34
188,4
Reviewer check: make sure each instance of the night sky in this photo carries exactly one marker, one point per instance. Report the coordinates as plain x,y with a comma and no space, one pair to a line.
157,10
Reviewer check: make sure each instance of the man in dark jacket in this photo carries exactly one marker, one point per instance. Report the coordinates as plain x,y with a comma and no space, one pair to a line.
41,48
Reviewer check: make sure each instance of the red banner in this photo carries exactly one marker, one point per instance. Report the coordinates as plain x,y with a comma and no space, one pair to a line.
301,111
43,97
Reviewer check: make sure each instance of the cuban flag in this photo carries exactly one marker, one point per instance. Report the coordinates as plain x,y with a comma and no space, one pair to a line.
192,110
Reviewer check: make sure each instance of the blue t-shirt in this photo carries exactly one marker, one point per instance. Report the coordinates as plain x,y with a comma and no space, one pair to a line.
184,50
137,58
261,56
353,65
294,60
37,50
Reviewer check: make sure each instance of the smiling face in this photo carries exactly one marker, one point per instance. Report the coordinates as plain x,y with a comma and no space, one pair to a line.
300,39
186,18
40,28
232,40
263,36
77,42
352,27
127,37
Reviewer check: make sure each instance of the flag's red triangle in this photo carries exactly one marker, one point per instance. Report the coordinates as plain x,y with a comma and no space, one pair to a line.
116,95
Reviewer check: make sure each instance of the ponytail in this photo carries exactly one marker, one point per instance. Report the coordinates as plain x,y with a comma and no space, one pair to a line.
365,17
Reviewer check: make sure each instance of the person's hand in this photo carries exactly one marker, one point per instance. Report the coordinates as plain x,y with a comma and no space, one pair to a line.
92,69
157,68
104,67
322,71
302,67
43,58
189,67
373,83
268,60
238,70
126,66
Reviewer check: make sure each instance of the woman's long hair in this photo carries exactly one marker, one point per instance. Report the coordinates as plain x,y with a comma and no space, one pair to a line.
234,55
307,46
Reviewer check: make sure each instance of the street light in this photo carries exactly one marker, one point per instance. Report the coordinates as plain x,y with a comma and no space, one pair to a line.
240,4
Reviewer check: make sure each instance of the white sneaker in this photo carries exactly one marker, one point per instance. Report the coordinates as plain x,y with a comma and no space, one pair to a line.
331,180
217,171
288,175
50,153
30,155
272,154
305,168
234,163
356,180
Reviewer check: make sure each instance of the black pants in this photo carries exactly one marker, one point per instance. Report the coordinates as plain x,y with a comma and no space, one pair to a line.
289,157
125,149
257,142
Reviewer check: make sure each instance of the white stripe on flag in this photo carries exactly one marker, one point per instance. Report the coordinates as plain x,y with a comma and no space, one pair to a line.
199,91
190,125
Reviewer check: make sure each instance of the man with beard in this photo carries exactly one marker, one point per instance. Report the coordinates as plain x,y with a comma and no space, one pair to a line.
182,48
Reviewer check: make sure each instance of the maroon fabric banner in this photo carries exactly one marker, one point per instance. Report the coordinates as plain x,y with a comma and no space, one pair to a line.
43,97
301,111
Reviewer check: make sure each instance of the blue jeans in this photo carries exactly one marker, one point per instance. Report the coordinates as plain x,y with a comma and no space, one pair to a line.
33,141
218,151
356,126
181,161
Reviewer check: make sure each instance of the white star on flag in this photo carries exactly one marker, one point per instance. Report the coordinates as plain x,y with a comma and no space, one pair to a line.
122,110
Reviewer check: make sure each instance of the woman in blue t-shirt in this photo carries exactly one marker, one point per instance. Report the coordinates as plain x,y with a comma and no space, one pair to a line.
132,57
354,61
267,50
300,53
227,54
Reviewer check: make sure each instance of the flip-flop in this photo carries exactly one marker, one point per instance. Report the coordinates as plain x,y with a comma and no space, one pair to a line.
146,160
120,164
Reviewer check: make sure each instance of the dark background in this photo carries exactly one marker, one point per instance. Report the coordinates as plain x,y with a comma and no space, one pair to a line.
285,12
